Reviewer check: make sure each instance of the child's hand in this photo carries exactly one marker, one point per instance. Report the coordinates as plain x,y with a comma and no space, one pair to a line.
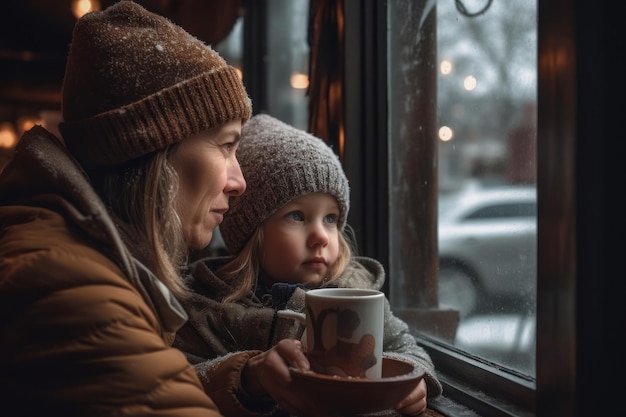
414,404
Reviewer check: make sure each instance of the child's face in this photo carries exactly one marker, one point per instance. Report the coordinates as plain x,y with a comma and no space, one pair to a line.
301,240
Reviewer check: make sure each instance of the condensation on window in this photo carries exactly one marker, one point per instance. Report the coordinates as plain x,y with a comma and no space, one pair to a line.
462,127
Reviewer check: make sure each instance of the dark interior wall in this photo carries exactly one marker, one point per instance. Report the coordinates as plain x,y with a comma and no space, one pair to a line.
601,224
35,37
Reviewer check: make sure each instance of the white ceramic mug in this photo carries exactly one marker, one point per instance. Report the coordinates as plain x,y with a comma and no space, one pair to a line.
344,331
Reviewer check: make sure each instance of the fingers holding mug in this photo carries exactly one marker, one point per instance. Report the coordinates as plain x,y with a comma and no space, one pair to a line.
290,350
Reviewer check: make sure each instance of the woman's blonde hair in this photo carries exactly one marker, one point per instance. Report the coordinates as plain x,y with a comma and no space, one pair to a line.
243,270
142,196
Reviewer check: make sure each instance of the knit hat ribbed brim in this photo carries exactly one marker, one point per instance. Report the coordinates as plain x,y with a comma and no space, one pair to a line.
280,163
135,83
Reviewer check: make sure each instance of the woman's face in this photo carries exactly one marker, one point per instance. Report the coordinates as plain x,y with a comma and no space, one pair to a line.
209,175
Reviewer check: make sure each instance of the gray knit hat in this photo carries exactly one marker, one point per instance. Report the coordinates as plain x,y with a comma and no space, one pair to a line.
280,163
135,83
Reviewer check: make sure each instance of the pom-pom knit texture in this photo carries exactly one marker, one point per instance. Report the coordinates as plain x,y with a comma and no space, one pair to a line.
280,163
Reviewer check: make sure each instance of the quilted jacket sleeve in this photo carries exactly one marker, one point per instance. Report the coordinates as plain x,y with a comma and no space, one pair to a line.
221,380
76,339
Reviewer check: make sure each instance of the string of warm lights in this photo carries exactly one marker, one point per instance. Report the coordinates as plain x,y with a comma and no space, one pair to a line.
81,7
10,131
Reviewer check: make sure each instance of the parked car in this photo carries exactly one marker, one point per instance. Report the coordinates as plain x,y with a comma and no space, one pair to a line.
487,246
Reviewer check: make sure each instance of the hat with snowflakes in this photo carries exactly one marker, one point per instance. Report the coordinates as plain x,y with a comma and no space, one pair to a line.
280,162
135,82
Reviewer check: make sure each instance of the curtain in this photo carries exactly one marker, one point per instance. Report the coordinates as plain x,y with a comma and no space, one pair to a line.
326,63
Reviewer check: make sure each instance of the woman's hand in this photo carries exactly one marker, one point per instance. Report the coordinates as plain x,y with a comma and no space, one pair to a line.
268,373
414,404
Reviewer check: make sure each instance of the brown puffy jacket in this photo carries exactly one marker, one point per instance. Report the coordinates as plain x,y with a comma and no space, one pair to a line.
83,326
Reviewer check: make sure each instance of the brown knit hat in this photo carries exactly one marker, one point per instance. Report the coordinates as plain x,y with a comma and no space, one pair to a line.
135,83
280,163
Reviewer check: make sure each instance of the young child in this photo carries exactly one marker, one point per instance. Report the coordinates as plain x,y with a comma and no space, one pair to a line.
288,233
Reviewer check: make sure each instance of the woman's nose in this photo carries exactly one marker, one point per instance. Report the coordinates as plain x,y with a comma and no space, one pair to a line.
235,183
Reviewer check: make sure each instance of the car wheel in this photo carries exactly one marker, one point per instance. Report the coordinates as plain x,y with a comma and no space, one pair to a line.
457,290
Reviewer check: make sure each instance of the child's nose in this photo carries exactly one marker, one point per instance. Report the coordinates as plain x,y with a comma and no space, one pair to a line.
318,235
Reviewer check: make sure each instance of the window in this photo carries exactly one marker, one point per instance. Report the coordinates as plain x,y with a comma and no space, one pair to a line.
276,61
568,326
449,116
455,95
462,93
478,126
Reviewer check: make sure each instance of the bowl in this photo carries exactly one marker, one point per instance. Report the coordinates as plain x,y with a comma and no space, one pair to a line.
348,395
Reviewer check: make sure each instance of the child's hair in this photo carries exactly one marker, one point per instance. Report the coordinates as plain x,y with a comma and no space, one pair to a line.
243,270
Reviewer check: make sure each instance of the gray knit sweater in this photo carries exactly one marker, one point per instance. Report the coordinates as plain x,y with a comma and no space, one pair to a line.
215,330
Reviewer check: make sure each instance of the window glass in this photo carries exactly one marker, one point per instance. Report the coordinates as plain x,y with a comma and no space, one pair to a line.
510,212
231,47
462,101
288,61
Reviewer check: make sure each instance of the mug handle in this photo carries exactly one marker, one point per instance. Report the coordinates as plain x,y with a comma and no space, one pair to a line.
290,314
301,317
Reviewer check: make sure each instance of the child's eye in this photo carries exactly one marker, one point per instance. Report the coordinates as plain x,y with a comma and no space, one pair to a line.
330,218
295,216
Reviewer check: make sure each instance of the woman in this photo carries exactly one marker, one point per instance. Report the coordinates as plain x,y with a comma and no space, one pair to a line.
95,230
